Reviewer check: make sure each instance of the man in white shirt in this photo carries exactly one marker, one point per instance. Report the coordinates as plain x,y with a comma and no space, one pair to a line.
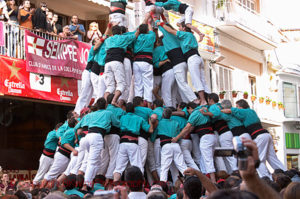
135,181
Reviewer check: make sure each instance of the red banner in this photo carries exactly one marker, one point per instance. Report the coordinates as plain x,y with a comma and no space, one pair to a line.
67,58
16,81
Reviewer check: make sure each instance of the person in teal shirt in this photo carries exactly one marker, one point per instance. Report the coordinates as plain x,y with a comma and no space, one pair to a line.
168,129
47,156
131,126
174,52
260,135
189,46
116,47
163,68
182,8
142,65
111,140
202,127
70,184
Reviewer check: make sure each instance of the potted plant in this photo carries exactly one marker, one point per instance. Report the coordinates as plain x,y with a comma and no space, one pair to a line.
245,95
234,93
280,105
253,98
274,104
268,101
221,94
261,100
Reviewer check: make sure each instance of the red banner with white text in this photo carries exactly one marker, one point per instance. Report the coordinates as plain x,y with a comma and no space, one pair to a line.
16,81
67,58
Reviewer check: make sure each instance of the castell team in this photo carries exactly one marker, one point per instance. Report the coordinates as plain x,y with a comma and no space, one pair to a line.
145,113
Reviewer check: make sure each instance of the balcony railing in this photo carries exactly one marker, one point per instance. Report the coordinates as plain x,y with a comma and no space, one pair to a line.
235,12
14,40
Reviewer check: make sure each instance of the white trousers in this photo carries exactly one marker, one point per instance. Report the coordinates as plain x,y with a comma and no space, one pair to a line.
188,16
167,88
114,76
128,152
112,142
95,84
128,77
186,92
81,153
186,146
143,145
118,18
72,163
150,156
169,153
225,140
207,147
59,165
45,163
86,91
197,153
94,147
131,90
143,80
101,86
266,152
196,68
157,155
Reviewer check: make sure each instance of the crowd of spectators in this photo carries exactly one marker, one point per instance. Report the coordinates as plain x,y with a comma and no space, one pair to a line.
41,19
244,184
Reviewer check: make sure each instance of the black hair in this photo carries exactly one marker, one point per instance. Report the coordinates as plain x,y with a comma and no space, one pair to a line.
283,181
109,98
214,97
70,114
116,30
192,187
58,125
276,171
101,103
70,182
231,182
137,101
167,113
158,103
289,173
123,29
143,29
159,41
243,103
129,107
79,181
100,179
182,105
186,29
232,194
134,178
72,122
192,105
180,193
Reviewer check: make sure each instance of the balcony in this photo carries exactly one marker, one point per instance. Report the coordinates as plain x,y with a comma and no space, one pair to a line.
246,25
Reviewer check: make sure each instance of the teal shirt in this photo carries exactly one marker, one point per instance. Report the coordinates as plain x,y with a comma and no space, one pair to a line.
197,118
170,41
168,128
247,116
62,129
103,119
117,111
169,5
98,186
73,192
119,41
68,137
174,196
158,111
181,121
144,43
82,123
124,1
231,120
215,109
91,54
101,54
51,141
133,123
187,41
143,112
159,54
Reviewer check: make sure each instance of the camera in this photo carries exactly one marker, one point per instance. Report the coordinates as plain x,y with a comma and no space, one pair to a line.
239,150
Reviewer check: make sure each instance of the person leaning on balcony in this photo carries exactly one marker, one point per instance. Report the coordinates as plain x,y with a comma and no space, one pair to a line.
93,32
25,15
39,18
67,34
12,12
56,26
76,28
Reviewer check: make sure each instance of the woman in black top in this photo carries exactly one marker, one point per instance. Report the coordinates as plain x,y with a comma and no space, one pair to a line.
12,10
39,18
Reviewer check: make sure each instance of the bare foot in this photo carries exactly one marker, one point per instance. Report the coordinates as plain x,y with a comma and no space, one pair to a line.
201,37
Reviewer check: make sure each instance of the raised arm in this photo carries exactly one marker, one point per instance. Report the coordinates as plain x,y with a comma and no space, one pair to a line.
167,28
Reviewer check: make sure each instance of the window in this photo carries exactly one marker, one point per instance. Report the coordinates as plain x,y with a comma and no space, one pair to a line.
290,100
292,161
249,5
224,79
252,81
292,140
